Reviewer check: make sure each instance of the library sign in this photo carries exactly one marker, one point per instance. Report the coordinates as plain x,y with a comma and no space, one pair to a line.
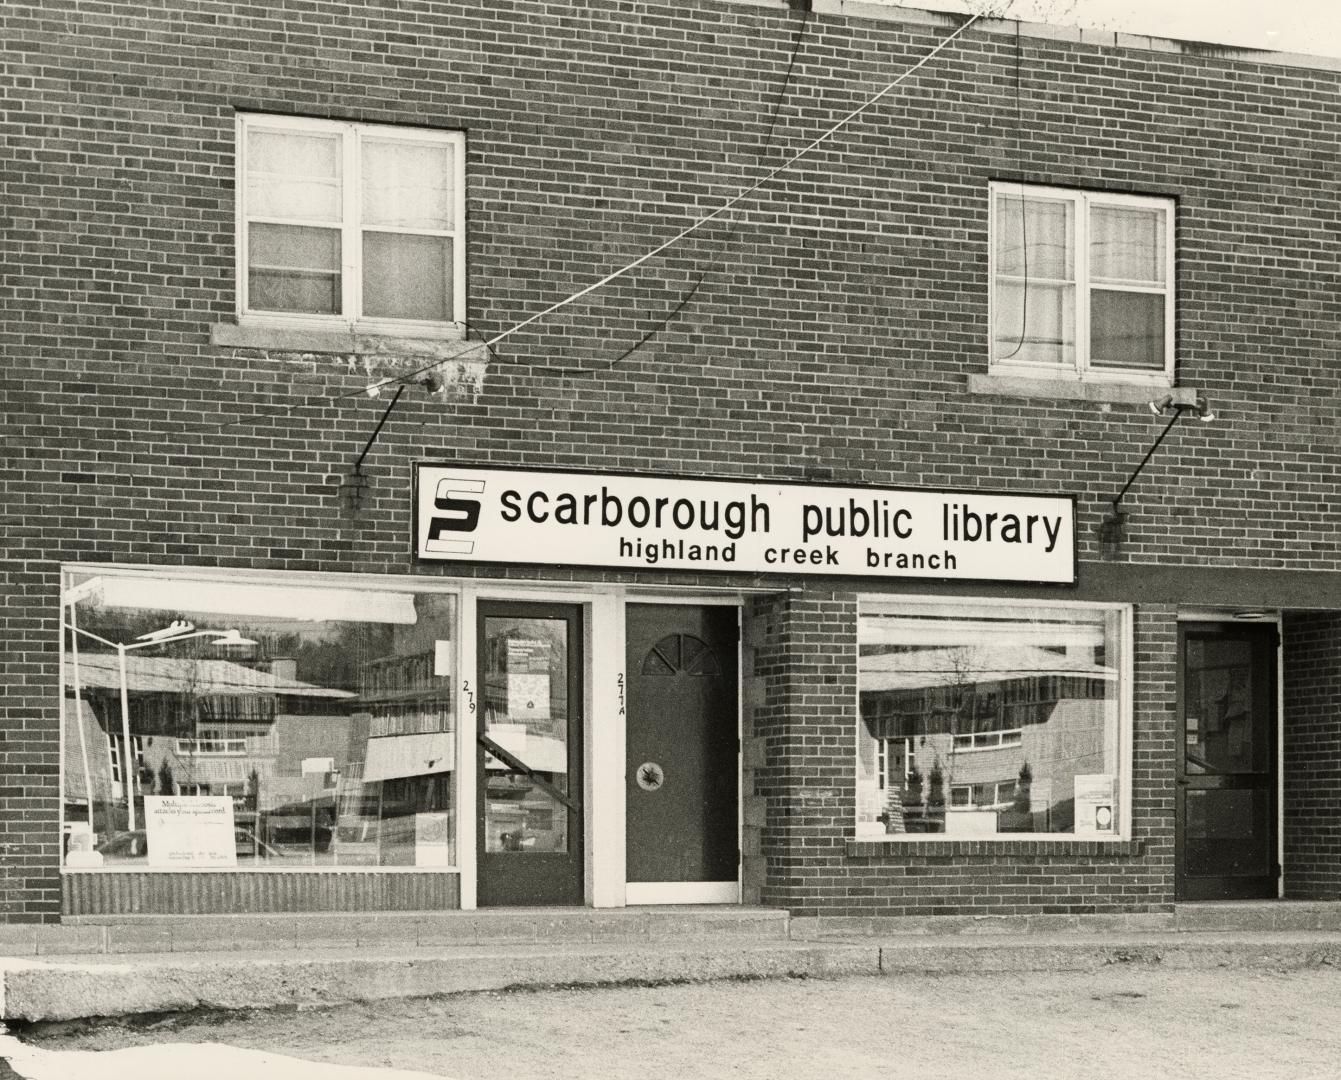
466,514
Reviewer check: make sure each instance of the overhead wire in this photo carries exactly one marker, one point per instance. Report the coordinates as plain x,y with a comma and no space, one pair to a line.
1024,215
689,230
713,261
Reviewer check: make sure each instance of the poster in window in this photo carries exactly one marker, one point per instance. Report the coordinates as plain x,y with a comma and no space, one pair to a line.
1094,804
433,839
528,679
190,831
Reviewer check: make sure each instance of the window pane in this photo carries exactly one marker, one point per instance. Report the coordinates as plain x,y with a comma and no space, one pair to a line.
323,735
1049,226
407,184
407,276
293,176
526,712
1008,719
1035,324
294,268
1126,246
1127,330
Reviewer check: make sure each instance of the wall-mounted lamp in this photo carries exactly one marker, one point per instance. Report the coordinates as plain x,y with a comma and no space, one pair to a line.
1181,403
1173,405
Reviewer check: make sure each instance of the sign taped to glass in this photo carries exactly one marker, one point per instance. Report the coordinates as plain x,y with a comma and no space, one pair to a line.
471,514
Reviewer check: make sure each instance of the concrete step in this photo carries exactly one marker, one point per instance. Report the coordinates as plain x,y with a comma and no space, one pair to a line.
107,985
268,933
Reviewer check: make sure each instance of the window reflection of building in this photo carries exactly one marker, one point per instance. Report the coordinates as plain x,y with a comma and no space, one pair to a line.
1000,717
334,741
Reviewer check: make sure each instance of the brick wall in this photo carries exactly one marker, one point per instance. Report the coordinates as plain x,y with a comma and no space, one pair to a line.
839,314
1313,756
805,656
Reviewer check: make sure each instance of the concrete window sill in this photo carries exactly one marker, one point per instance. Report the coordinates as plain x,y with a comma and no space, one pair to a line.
1010,848
1115,393
337,342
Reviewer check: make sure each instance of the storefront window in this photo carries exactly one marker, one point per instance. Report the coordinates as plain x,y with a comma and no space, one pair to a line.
269,725
985,720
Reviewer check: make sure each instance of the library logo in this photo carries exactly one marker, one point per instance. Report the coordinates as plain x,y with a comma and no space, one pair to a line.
457,513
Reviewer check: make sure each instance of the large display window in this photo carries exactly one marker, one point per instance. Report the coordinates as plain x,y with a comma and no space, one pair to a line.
217,723
983,719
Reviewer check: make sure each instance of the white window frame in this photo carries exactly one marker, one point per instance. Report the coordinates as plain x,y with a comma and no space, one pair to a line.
351,318
862,831
1081,370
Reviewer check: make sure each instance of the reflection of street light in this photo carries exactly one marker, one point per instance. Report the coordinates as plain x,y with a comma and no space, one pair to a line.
179,630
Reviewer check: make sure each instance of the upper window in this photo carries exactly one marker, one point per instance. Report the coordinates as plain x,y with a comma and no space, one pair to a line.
349,224
1082,284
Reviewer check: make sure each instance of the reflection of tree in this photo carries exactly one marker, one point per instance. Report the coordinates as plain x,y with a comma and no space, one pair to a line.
333,660
121,624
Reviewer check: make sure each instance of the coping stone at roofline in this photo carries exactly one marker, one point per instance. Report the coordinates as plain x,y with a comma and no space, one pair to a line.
861,9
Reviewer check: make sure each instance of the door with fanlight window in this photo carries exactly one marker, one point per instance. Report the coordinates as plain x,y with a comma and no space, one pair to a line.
529,734
682,754
1226,835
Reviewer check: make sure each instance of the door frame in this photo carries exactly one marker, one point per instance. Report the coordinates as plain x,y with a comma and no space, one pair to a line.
692,892
1192,616
554,866
604,733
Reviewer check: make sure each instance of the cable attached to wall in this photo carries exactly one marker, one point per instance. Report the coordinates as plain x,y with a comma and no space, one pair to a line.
689,230
1024,216
714,260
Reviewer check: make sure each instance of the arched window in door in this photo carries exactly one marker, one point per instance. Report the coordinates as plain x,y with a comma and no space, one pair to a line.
681,654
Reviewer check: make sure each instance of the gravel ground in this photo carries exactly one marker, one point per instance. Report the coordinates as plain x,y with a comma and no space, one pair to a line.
1117,1023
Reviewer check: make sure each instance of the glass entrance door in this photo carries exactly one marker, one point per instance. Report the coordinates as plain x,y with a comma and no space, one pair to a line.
530,754
1226,782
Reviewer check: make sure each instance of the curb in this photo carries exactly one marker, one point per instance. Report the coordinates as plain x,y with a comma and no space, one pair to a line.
77,988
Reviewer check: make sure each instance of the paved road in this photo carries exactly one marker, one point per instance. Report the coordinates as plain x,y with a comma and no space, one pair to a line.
1121,1023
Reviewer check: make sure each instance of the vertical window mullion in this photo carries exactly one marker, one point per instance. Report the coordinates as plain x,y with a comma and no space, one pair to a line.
1170,315
1082,257
459,233
243,240
351,258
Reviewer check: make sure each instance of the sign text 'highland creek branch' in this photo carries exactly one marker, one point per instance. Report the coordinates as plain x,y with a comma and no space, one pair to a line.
466,514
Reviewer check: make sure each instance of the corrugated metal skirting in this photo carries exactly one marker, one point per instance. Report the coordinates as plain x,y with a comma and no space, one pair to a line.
146,893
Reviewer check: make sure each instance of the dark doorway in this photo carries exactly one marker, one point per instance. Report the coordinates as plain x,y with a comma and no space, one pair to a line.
1226,847
682,745
529,774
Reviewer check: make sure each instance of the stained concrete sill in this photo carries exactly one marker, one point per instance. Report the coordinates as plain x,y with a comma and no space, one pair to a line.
281,339
1099,393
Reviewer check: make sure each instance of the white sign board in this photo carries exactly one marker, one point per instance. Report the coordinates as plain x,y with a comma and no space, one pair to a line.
432,839
189,830
1094,804
592,519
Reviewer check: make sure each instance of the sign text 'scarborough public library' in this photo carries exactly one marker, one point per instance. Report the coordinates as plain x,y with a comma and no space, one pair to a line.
586,519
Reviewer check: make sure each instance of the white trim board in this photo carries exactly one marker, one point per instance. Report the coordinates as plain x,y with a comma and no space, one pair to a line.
682,892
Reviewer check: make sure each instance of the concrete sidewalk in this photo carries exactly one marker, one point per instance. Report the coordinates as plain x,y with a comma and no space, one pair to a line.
179,964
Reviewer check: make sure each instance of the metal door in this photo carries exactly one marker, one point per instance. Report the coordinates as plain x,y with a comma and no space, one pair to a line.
530,753
1225,815
682,743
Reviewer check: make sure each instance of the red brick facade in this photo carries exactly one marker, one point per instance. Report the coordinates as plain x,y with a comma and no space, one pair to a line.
1313,756
841,319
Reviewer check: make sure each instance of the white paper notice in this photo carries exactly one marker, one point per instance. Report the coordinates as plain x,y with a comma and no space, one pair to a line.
1094,804
432,840
528,697
190,830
